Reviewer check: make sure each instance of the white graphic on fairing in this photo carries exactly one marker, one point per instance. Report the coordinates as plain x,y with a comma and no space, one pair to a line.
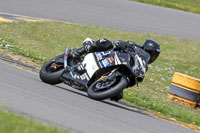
82,77
90,64
141,63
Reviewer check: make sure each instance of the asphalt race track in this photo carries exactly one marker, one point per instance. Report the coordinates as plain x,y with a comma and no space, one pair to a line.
115,14
22,91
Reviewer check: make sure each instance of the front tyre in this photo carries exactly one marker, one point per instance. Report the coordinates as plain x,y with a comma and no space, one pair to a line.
103,89
52,70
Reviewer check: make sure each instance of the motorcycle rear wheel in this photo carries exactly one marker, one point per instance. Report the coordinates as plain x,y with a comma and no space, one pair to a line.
49,75
113,88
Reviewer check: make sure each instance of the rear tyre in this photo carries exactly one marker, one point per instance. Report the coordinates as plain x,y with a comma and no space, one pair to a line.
51,75
104,89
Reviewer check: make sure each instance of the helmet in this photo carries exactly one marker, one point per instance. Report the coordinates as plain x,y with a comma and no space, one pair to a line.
153,48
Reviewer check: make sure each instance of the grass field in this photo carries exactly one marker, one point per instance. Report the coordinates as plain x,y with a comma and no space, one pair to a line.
44,40
11,123
185,5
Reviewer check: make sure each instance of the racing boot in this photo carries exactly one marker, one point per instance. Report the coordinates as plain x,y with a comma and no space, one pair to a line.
87,43
90,45
77,53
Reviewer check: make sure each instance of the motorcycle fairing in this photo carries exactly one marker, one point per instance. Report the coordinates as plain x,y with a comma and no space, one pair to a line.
99,60
71,74
107,58
96,62
90,64
82,79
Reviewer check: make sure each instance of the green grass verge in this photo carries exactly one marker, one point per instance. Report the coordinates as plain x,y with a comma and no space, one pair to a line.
11,123
44,40
185,5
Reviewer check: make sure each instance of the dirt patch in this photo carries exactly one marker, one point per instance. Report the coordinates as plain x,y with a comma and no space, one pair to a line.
21,59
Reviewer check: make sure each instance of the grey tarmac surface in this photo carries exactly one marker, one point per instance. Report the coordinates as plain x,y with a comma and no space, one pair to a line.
22,92
114,14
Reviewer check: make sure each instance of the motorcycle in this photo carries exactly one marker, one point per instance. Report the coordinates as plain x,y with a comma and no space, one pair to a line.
101,74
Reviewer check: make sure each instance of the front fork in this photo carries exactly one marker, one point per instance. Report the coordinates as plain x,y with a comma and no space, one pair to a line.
113,74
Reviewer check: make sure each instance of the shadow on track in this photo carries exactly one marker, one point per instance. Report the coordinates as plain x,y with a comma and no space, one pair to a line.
121,105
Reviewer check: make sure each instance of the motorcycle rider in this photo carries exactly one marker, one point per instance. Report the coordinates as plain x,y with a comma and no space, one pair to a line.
145,54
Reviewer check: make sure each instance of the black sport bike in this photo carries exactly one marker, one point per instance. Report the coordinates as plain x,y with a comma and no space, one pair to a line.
101,74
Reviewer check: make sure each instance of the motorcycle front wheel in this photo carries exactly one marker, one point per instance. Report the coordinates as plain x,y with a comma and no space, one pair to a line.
52,70
105,88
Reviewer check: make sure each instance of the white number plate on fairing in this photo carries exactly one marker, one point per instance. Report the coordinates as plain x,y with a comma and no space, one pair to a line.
90,64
